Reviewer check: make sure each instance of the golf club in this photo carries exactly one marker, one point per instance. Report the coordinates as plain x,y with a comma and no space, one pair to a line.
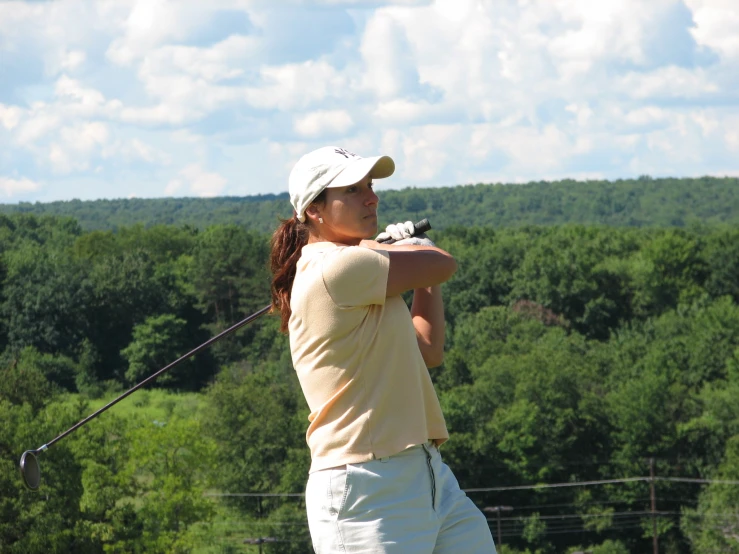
29,466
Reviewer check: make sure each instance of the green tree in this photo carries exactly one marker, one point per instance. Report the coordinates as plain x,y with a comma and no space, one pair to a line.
414,203
671,272
31,522
157,342
566,271
170,463
714,525
229,275
46,300
258,419
126,292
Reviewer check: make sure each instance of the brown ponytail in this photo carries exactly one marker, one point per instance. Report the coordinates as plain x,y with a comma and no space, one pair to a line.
286,246
287,242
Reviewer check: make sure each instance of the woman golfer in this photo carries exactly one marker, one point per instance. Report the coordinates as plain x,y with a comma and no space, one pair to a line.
377,483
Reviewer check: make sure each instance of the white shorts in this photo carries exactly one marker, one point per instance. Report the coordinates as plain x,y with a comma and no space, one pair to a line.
409,503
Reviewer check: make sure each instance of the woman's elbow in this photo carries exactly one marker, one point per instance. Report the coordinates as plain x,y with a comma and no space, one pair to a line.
450,267
433,359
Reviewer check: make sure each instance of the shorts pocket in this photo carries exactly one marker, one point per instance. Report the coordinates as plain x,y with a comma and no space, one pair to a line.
337,490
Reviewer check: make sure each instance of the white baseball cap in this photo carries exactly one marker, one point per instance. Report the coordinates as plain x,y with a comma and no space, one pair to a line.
331,167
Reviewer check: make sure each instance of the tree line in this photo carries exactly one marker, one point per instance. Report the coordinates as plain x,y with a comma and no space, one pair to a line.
641,202
575,354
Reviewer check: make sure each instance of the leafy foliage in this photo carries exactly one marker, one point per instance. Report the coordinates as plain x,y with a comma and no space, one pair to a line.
642,202
575,353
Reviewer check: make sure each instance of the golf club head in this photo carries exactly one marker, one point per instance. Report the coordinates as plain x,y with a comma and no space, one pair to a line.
30,470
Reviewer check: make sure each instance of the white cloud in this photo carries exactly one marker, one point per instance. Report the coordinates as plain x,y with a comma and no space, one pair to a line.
583,113
64,61
296,86
85,137
732,140
173,187
10,116
649,115
598,31
74,108
61,161
451,47
716,25
187,81
455,90
38,124
150,23
546,149
11,187
668,82
323,122
138,149
199,182
159,114
73,60
72,90
76,147
390,68
426,151
227,59
400,112
53,35
365,3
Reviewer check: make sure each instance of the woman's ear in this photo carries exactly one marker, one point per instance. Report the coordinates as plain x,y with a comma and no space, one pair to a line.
313,213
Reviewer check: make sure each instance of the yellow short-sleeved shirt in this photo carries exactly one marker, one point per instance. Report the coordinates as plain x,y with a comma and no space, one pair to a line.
357,358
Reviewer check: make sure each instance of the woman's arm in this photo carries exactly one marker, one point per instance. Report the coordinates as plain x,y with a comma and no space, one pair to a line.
427,313
422,269
413,267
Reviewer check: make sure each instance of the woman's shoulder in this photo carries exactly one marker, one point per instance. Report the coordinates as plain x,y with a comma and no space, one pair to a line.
354,255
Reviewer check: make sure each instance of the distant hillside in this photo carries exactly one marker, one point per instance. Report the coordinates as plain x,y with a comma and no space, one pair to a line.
636,202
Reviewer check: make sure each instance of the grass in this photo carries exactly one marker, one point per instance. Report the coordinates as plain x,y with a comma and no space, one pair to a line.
152,404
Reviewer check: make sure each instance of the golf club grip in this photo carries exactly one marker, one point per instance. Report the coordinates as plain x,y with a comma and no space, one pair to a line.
418,228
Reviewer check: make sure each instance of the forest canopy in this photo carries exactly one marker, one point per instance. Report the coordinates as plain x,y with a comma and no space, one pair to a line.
642,202
580,358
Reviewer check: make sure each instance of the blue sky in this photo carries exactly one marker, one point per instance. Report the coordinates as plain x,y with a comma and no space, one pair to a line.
153,98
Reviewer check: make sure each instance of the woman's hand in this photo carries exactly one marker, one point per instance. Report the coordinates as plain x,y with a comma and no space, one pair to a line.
397,231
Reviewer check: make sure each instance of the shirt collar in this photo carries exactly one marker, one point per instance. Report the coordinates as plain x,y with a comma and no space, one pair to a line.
323,246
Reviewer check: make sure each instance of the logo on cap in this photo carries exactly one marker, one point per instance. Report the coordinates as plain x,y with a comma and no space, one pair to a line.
345,152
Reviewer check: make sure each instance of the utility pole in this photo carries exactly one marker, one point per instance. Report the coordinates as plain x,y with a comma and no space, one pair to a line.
655,542
497,510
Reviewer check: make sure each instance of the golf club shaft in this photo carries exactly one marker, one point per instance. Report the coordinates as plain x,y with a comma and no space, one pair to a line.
157,374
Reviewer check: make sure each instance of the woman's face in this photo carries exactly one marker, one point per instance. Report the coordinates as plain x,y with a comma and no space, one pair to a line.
349,213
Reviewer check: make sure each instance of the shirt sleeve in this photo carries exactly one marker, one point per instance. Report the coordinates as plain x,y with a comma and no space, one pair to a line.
356,276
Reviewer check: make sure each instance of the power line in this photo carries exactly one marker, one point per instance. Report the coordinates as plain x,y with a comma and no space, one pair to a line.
559,485
701,481
560,464
516,487
593,503
521,521
255,494
564,529
583,530
587,516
